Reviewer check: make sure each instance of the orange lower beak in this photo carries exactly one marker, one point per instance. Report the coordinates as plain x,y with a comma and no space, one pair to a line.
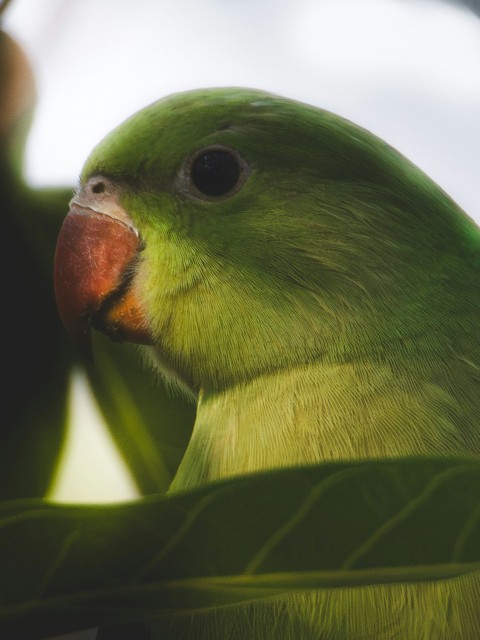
95,263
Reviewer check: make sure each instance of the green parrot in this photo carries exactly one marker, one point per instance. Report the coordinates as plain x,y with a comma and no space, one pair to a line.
314,291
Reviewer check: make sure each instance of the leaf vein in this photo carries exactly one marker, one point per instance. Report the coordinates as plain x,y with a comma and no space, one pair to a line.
56,564
315,493
464,534
431,486
180,534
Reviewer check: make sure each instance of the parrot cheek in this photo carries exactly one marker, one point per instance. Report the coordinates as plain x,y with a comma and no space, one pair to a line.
95,260
122,318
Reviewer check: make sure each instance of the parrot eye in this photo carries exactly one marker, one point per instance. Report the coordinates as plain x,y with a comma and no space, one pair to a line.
215,172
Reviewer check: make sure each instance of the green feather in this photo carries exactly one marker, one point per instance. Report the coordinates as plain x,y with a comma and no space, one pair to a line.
327,309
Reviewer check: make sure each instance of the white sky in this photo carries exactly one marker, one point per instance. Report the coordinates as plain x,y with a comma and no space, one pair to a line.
408,70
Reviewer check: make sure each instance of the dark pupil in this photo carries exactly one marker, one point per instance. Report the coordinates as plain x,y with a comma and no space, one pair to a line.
215,172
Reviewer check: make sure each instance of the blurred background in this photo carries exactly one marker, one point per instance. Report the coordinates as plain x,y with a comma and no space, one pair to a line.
407,70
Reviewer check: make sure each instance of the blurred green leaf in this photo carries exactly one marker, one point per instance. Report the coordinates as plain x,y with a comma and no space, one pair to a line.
151,426
67,568
35,353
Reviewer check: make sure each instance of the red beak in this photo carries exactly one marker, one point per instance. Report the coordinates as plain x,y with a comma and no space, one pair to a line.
95,263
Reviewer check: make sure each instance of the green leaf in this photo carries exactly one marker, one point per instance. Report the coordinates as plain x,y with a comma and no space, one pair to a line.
36,355
65,568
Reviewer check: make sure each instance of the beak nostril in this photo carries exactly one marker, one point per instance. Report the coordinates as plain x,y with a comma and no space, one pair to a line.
98,187
101,196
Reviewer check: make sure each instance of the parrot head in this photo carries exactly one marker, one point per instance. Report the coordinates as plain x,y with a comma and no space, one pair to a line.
237,232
